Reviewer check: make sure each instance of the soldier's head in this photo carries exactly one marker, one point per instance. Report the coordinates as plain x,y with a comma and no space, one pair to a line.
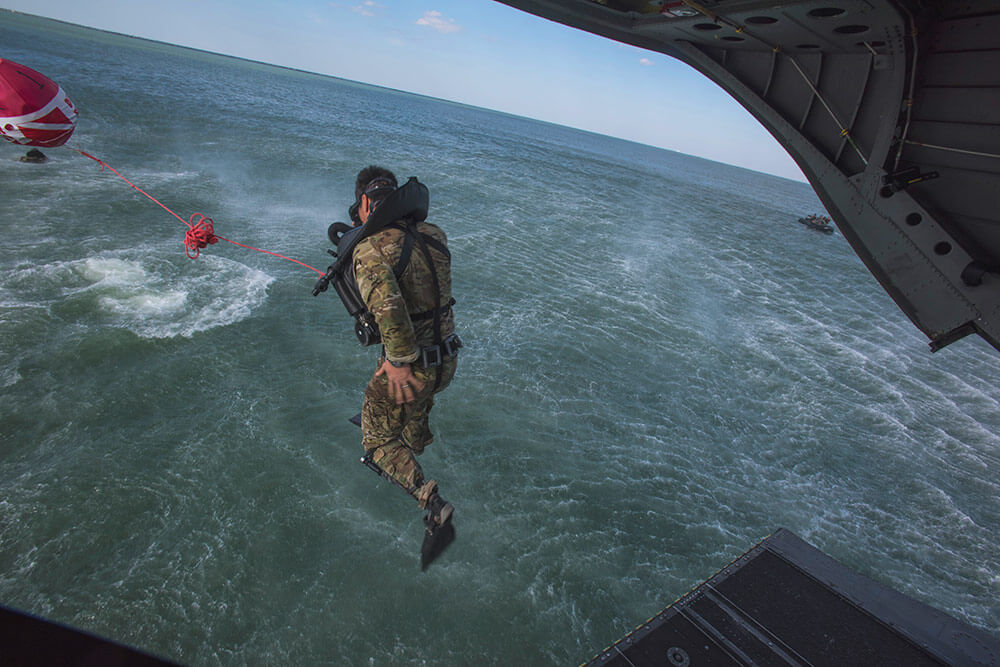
373,184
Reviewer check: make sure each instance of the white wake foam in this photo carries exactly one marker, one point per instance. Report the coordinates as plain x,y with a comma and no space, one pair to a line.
157,298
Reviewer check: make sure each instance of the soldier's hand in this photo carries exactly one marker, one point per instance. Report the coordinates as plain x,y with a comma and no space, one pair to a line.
403,384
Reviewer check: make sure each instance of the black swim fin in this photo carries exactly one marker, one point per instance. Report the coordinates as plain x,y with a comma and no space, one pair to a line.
436,540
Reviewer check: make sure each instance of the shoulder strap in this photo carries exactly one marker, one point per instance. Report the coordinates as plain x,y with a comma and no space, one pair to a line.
437,245
410,231
404,255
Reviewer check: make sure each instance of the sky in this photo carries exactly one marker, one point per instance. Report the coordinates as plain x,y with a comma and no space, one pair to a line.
477,52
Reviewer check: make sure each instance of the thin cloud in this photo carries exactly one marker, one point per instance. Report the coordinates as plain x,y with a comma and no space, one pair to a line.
365,8
433,19
645,62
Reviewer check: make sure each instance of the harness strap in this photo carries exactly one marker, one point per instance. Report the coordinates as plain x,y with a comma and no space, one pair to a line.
404,255
437,245
417,317
437,297
413,236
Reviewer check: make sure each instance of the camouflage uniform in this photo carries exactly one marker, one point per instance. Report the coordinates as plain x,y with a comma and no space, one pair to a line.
396,433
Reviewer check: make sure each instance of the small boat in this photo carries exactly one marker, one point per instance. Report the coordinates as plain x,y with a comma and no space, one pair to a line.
820,223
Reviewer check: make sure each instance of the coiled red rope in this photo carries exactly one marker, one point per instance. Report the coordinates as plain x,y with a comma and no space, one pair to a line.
199,235
201,230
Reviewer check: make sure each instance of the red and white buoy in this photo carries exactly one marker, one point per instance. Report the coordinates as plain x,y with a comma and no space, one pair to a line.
34,110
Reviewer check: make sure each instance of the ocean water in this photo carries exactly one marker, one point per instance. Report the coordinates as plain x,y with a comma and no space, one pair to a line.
661,368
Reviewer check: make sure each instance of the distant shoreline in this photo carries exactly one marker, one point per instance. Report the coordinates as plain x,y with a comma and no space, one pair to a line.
381,87
310,73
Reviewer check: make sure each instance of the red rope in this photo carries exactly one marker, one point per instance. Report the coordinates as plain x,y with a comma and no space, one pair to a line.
201,231
199,235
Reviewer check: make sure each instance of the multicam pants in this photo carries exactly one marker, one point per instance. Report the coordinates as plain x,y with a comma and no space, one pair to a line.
396,434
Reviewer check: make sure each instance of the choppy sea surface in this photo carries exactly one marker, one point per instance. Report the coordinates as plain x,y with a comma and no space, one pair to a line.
661,368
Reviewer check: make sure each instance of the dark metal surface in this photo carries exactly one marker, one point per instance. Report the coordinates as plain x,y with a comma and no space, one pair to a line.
891,108
785,602
29,641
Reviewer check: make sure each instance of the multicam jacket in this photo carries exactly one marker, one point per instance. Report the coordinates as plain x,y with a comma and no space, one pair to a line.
393,303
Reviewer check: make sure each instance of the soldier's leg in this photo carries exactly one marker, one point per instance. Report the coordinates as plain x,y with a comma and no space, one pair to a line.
382,424
416,432
394,434
398,462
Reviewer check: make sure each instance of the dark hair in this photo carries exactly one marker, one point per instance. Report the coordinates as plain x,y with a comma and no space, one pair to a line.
375,181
